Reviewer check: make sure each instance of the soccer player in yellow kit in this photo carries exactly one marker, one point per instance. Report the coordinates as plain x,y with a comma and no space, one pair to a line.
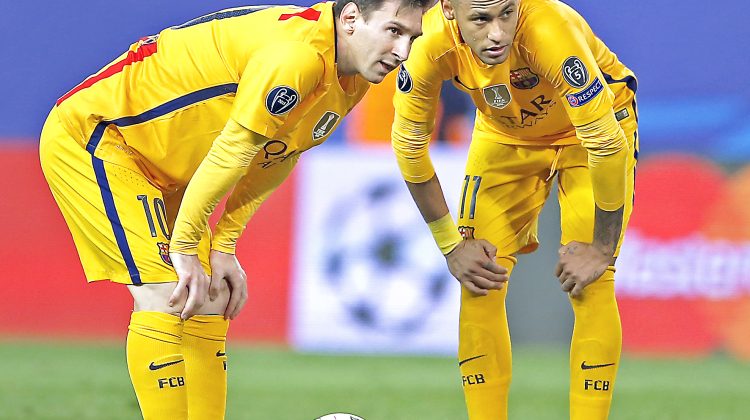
139,154
551,99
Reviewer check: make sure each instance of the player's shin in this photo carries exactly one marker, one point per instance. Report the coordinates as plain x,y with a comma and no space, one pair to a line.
204,347
156,365
595,349
484,351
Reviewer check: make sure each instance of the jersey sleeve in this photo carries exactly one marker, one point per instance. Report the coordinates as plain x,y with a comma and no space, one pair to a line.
275,80
249,193
226,162
416,99
555,45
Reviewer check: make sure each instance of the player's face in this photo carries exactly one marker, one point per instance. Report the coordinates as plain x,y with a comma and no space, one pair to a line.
382,40
487,26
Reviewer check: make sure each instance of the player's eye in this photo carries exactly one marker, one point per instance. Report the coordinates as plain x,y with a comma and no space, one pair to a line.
508,13
480,19
394,31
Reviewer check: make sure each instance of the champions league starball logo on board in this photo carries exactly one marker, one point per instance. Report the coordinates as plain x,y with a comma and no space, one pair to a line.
371,264
281,100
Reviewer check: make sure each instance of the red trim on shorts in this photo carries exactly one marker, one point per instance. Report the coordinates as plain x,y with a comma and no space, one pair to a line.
139,54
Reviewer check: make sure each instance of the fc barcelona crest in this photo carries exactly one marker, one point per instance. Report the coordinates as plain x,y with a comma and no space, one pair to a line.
523,78
497,96
164,252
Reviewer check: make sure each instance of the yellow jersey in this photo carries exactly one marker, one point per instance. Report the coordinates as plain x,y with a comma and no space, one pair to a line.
559,75
161,104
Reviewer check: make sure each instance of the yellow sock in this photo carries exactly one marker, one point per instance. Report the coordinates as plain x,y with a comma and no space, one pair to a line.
156,365
595,349
484,352
204,346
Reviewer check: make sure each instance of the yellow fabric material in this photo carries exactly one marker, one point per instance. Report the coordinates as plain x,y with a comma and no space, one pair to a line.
410,141
204,347
607,160
595,349
146,213
247,196
513,190
159,107
484,351
445,233
526,100
225,164
157,366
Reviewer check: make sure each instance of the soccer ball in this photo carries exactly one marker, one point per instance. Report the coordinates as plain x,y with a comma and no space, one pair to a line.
340,416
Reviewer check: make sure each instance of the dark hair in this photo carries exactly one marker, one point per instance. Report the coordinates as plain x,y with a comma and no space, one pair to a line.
367,6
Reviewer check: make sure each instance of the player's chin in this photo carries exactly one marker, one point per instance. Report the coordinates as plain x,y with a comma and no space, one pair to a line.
493,60
377,73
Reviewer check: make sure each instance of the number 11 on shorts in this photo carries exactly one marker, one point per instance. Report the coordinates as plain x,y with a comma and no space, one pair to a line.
473,202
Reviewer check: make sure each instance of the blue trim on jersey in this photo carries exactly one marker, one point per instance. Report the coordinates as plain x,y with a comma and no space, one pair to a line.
161,110
630,81
101,175
114,219
221,15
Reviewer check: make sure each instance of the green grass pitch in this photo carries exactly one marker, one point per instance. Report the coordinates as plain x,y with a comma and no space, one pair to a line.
77,380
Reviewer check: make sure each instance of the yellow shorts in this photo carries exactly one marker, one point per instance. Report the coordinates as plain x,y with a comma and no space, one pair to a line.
120,222
506,186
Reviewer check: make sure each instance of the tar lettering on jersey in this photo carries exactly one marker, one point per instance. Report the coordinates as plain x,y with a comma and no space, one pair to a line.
274,148
325,125
281,100
538,110
575,72
404,82
274,152
585,96
497,96
523,78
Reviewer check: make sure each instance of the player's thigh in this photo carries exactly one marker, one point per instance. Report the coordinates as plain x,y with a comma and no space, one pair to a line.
576,197
502,194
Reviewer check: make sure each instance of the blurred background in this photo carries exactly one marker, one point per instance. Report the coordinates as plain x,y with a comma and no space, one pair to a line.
340,262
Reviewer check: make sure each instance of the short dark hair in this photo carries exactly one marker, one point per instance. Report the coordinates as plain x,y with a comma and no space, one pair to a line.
367,6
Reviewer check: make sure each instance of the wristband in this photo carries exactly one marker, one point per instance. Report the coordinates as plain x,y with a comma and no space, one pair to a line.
445,233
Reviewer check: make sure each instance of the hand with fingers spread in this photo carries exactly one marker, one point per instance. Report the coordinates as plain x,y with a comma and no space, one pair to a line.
580,264
192,282
226,267
473,264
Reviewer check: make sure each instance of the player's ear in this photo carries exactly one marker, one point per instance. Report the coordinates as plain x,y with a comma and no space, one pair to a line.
448,11
349,15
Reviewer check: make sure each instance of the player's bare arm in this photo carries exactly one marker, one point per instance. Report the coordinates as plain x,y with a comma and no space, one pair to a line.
471,261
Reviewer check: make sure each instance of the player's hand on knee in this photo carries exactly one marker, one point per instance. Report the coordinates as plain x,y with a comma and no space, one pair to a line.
473,264
580,264
192,282
226,267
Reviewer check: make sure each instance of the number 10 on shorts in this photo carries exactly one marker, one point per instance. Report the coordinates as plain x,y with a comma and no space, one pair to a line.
473,202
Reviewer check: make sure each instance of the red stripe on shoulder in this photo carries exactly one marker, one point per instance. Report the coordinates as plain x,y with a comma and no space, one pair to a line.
308,14
139,54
